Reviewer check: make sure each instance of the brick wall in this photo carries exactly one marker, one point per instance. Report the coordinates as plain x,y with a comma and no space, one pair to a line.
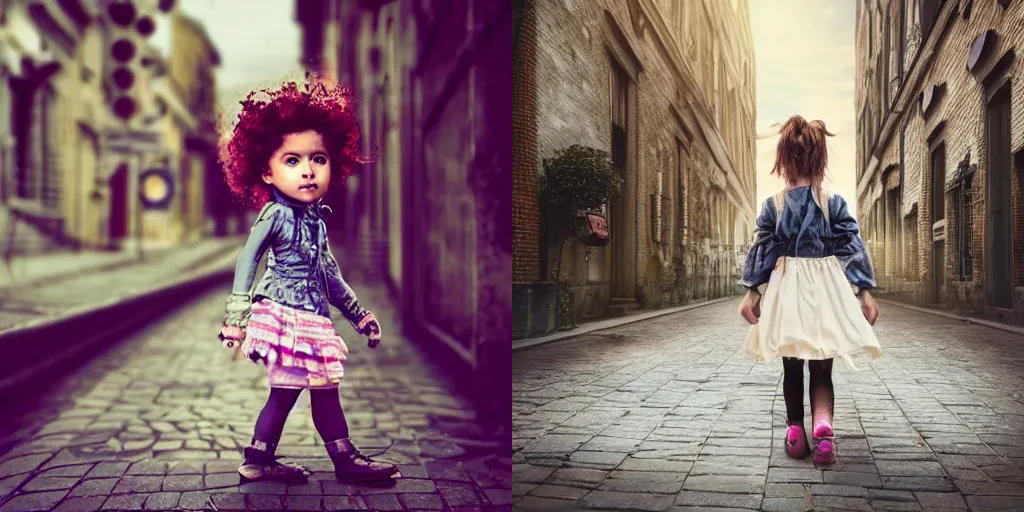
573,66
525,190
962,108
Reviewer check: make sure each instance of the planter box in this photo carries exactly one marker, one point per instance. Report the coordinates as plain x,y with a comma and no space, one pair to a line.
533,309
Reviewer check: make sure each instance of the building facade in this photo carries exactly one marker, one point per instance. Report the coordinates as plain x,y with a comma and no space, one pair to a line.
68,176
667,89
51,119
940,153
430,216
192,70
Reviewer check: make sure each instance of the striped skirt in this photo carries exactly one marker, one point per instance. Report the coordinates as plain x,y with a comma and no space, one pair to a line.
300,349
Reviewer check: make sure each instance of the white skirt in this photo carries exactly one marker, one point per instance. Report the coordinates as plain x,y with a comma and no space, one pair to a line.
809,311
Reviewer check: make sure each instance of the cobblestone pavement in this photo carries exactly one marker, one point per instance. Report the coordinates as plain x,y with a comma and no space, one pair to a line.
159,422
669,414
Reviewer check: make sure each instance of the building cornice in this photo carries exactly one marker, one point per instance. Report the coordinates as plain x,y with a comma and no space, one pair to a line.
696,102
903,104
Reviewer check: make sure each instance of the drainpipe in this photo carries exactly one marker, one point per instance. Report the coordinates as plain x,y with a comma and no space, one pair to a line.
899,201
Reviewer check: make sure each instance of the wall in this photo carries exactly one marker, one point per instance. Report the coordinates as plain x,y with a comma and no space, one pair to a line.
691,258
962,109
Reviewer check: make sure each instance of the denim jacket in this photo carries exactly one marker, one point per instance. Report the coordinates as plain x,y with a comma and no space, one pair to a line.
301,271
804,232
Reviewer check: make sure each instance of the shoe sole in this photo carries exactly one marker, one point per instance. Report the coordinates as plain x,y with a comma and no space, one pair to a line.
825,459
242,479
362,480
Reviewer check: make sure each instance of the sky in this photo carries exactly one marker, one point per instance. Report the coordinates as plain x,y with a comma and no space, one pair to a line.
258,42
804,51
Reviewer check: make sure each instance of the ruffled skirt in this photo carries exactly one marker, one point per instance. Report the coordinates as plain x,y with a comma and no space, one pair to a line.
809,311
300,349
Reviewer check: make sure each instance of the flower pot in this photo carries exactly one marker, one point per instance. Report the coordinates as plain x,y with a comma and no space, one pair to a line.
593,228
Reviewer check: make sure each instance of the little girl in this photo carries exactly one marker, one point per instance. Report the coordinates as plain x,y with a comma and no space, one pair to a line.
284,152
806,257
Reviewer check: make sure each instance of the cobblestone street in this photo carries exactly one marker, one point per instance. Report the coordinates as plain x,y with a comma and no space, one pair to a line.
670,414
159,421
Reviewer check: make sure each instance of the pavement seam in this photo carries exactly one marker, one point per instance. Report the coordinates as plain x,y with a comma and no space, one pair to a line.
32,475
977,321
570,335
949,477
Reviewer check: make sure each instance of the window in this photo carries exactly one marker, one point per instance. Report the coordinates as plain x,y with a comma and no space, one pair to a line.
938,183
929,13
962,201
25,179
910,228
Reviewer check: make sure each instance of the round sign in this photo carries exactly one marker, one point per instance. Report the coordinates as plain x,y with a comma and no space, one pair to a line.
156,188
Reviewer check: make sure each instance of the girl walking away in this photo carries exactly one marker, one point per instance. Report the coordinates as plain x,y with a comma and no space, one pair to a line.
283,155
804,273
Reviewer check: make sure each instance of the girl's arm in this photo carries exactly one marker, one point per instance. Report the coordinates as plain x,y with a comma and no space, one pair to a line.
849,247
263,232
341,296
761,256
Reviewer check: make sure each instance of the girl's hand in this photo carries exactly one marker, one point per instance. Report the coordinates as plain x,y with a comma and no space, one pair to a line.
869,307
750,308
369,327
232,335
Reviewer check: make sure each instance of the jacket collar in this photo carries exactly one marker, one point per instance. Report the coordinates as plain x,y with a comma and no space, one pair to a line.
314,209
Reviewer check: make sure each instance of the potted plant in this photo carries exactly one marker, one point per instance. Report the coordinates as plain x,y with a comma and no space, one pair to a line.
576,184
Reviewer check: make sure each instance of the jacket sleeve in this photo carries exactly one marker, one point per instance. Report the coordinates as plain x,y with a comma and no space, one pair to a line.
849,247
340,294
263,232
239,304
761,256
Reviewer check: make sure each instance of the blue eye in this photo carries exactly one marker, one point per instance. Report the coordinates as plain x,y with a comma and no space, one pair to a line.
292,161
322,160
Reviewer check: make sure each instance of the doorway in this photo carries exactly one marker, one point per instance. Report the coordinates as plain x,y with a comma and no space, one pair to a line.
999,238
118,222
619,215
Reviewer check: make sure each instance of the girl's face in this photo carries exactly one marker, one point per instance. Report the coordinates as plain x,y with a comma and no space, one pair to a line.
300,168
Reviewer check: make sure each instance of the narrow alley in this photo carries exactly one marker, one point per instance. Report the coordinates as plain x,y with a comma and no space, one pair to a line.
158,423
670,414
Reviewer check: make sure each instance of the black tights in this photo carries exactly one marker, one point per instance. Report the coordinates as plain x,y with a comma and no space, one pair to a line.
821,392
327,414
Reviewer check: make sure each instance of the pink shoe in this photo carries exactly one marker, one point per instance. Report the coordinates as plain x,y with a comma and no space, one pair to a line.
796,442
825,444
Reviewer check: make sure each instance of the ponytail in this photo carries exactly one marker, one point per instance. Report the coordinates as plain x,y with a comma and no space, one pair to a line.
802,151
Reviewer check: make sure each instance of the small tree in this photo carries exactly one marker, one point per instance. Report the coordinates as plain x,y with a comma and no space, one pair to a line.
578,179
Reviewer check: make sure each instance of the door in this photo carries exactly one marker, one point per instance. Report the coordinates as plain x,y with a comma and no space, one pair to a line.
119,203
619,215
999,236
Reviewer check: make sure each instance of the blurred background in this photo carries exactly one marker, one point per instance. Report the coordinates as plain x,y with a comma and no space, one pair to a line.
113,205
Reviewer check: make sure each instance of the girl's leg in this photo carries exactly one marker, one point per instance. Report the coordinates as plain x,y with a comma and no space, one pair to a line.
260,463
822,407
271,421
327,414
793,392
793,389
822,394
349,464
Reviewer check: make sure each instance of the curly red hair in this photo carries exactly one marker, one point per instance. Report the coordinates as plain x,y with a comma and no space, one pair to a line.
265,121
